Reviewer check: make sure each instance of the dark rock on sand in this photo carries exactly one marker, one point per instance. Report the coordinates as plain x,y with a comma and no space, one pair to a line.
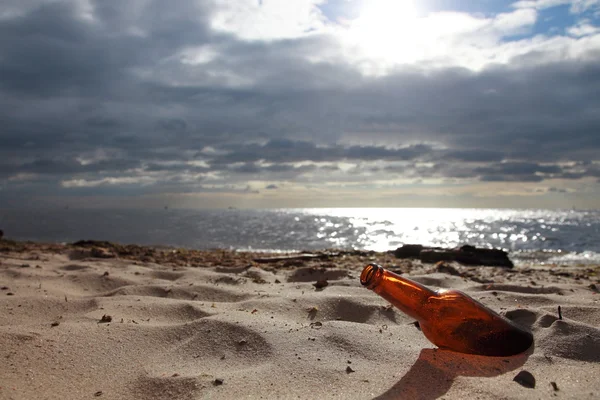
410,251
525,379
467,255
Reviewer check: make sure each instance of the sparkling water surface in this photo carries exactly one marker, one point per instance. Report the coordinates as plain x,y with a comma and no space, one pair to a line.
549,236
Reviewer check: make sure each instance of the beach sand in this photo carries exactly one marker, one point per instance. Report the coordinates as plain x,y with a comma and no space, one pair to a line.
128,322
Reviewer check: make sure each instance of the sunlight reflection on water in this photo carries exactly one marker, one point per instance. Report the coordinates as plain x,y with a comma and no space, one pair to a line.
554,235
512,230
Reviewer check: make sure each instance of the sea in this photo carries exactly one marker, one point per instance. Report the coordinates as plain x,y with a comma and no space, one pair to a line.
565,237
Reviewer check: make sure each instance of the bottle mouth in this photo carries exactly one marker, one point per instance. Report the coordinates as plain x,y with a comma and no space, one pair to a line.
368,274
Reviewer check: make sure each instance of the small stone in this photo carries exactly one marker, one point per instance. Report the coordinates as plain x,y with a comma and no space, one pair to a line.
525,379
105,319
349,370
55,323
98,393
321,284
554,386
218,382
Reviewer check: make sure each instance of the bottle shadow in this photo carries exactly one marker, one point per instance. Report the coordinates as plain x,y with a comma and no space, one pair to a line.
432,375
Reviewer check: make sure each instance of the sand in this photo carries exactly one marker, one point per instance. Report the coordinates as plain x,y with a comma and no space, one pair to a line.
112,322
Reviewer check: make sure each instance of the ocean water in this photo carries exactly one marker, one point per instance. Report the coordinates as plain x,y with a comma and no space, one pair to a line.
548,236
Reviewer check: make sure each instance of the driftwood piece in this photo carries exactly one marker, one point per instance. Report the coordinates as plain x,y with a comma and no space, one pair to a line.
433,256
307,256
298,257
410,250
470,255
467,255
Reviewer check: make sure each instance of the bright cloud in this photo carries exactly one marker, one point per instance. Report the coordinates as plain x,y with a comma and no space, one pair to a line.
109,181
583,28
268,19
437,39
390,33
190,97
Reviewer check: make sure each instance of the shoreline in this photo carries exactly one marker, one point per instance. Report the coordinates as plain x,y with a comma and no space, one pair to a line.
102,320
523,258
350,259
547,236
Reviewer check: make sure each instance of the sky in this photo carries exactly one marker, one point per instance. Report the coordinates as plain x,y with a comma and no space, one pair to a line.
300,103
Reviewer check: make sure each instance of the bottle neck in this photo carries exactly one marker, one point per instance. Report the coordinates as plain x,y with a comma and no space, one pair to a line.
408,296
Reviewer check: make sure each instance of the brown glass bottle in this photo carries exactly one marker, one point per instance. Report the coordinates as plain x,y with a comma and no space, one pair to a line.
449,318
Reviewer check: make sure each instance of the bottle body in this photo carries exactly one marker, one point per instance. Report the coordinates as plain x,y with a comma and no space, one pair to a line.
449,318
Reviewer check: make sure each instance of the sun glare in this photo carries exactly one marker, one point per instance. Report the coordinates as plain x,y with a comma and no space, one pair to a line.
385,30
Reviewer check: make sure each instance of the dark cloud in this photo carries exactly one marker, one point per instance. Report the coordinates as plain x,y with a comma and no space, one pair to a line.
516,171
66,167
496,171
289,151
72,86
473,155
47,52
175,167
